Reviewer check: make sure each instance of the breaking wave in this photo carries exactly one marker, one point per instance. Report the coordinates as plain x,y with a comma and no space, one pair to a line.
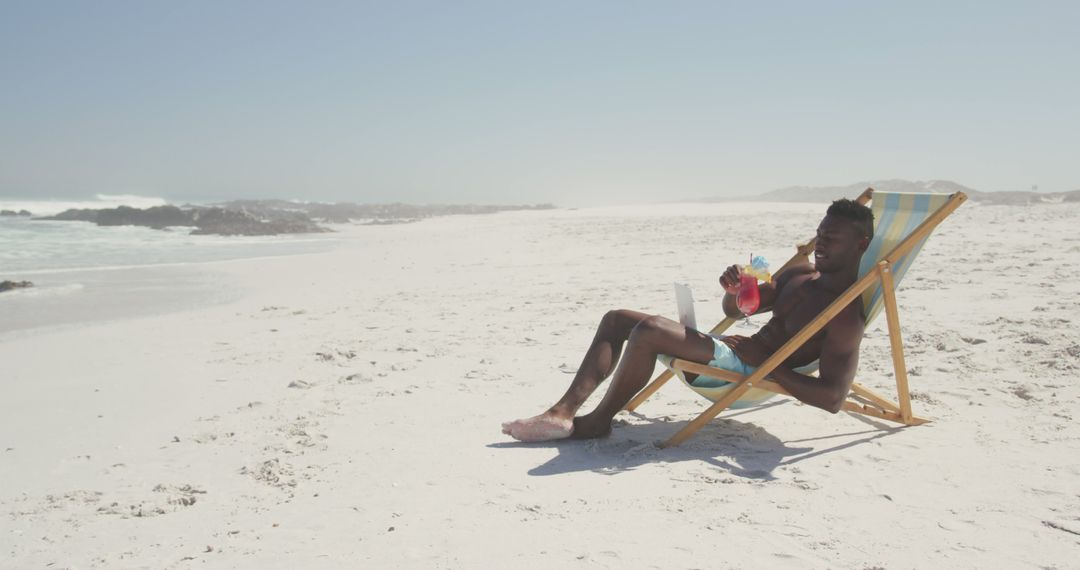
51,207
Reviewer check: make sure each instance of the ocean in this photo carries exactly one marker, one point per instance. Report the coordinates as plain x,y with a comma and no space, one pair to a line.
83,272
32,247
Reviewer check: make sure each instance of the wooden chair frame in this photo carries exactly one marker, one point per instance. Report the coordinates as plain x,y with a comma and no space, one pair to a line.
860,400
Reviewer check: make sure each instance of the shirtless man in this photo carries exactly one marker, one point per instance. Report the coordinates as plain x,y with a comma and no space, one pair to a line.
795,297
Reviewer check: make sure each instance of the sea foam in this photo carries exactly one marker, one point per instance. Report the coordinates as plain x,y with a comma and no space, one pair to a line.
52,207
34,247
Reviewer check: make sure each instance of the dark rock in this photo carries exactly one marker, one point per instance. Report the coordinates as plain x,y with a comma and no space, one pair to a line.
74,215
240,222
9,285
7,213
157,217
271,217
25,213
219,221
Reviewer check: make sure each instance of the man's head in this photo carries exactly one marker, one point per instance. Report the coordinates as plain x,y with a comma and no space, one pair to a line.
843,236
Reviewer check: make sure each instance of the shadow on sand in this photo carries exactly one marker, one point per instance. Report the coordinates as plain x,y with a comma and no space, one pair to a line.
742,449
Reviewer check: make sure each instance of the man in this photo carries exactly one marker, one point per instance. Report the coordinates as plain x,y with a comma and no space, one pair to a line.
795,296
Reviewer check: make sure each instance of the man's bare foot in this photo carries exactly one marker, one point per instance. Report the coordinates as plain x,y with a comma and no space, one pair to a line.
544,427
590,427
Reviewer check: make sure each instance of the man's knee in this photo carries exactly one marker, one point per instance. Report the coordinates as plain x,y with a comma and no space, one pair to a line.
609,319
615,325
650,330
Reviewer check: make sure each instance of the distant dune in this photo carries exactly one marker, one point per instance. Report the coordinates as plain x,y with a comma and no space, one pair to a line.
830,193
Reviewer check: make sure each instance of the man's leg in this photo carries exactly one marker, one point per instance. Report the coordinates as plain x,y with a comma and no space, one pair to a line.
557,422
600,360
653,336
648,336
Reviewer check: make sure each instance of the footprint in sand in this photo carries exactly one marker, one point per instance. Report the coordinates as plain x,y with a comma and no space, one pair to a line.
357,378
272,472
174,498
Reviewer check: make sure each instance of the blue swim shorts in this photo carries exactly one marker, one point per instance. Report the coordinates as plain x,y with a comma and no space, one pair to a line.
723,357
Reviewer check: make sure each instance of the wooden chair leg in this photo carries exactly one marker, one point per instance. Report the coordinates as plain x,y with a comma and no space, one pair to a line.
874,397
892,318
706,416
865,410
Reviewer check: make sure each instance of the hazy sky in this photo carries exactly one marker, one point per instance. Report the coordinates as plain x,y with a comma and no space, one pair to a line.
573,102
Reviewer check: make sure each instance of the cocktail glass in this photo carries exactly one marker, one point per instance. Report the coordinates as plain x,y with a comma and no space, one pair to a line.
749,298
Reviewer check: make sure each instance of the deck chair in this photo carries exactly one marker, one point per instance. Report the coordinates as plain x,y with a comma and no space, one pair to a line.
903,222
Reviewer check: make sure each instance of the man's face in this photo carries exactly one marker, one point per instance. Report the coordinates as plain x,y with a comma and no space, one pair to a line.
839,244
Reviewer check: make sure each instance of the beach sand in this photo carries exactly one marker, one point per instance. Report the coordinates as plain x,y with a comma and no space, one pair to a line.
345,410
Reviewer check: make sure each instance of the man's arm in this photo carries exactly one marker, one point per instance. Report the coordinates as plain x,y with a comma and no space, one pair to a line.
836,368
768,291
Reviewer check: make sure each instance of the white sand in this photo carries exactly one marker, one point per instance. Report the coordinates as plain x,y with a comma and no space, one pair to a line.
346,411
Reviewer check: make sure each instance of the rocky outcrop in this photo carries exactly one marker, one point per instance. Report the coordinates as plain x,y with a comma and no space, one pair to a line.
218,221
224,222
9,285
271,217
14,213
157,217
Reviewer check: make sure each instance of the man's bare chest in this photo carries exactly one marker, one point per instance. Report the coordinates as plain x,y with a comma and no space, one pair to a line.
799,303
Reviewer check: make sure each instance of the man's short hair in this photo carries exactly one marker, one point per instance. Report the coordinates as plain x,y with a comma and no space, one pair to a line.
862,218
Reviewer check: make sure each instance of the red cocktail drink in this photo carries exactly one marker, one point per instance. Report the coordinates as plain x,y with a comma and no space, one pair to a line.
749,298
